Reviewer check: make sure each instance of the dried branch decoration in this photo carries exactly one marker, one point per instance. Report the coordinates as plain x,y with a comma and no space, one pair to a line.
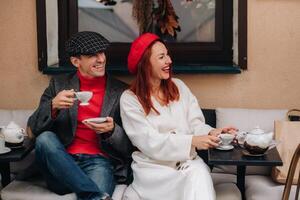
142,12
163,16
166,18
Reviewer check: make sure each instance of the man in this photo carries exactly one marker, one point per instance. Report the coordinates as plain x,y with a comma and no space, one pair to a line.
73,154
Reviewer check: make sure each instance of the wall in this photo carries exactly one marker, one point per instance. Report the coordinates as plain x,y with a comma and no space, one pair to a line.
271,81
20,82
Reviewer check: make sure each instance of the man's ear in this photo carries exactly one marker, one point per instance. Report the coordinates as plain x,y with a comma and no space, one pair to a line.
75,61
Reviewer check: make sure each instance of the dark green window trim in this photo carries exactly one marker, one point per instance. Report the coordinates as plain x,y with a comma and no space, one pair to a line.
182,69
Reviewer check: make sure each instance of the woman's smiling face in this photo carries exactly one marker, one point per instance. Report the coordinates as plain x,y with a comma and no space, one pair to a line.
160,62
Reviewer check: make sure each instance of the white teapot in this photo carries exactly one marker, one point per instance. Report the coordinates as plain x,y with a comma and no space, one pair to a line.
13,133
258,141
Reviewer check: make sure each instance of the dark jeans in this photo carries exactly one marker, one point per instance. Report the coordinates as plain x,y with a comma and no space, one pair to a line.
89,176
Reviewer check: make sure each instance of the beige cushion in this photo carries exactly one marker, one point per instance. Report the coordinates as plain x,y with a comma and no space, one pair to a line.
262,188
36,190
220,178
245,120
224,184
227,191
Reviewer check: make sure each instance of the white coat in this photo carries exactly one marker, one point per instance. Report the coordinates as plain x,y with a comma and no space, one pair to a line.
166,166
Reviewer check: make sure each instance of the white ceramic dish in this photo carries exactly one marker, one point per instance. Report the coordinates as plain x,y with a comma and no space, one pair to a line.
246,153
225,148
5,150
97,120
17,147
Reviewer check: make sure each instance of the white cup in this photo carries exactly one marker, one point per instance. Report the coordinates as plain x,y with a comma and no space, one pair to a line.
226,139
84,97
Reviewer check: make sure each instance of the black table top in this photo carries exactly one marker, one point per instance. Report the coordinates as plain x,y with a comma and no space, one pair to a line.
236,157
17,154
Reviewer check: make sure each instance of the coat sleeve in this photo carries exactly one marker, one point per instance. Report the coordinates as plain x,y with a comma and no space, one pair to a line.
41,119
195,116
118,138
158,146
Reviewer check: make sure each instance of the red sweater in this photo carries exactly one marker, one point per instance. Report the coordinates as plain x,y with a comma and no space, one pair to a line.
86,141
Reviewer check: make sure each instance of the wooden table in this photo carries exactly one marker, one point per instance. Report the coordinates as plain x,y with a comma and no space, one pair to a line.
236,157
16,154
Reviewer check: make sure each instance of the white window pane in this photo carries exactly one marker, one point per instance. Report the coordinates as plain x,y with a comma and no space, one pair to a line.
52,32
196,19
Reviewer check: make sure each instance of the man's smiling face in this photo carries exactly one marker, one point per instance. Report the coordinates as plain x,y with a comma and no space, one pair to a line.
90,65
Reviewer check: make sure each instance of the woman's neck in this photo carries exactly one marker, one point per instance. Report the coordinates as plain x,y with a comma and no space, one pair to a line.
155,86
157,93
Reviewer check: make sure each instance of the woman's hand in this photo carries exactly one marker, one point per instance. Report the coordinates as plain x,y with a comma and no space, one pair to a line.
229,129
201,142
103,127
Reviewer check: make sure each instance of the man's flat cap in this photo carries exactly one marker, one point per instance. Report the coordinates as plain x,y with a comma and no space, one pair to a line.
86,43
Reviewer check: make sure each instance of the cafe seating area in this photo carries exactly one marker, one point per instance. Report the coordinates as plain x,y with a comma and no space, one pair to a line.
27,185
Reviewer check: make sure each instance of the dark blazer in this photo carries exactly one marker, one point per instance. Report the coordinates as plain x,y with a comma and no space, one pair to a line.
116,144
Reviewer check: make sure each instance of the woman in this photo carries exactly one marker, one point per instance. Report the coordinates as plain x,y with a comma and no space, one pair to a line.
163,120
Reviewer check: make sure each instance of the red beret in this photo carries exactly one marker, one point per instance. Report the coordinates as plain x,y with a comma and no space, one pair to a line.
138,47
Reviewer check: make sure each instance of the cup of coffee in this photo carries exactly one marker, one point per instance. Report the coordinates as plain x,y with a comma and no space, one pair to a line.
226,139
84,97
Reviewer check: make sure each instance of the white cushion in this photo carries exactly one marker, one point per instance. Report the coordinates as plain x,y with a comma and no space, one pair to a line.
220,178
246,120
227,191
224,185
20,117
262,188
36,190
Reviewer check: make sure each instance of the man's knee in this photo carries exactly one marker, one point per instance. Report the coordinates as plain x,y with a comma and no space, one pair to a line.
46,141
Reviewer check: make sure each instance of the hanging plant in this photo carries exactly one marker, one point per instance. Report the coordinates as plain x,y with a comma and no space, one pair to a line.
161,18
166,18
142,12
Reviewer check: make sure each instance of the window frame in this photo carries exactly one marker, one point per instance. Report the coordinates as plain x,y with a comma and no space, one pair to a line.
202,55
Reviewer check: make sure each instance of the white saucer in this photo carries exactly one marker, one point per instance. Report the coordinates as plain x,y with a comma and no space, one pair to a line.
5,150
225,148
246,153
84,104
97,120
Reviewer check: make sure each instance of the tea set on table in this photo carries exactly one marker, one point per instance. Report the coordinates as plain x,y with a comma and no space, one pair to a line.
11,136
254,143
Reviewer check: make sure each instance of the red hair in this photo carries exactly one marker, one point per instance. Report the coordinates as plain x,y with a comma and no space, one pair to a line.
141,86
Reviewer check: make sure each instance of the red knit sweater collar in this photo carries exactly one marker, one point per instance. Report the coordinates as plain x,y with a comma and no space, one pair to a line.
87,81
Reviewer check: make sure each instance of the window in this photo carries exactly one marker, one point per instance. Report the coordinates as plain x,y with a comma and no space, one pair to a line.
205,41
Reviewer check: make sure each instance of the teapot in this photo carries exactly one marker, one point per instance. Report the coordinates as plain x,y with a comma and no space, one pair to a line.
258,141
12,133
